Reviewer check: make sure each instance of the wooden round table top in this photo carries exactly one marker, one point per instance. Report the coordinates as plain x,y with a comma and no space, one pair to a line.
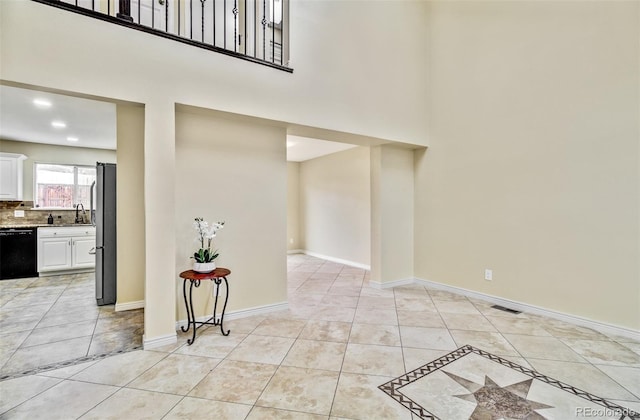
217,273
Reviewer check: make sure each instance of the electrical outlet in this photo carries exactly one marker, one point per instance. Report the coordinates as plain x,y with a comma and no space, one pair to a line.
18,213
291,241
488,274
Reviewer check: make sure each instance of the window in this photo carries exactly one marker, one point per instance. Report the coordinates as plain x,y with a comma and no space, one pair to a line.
62,186
276,12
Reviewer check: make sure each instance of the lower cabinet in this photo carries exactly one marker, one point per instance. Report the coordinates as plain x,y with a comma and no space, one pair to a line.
66,248
83,252
54,254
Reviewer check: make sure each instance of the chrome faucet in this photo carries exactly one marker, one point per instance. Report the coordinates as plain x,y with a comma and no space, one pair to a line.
80,219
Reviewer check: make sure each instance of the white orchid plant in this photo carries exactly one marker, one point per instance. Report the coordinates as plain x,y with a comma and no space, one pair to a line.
205,234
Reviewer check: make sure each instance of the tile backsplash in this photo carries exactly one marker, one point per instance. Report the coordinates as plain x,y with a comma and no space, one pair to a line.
35,217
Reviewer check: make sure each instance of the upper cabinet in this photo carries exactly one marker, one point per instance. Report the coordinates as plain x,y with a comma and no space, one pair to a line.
11,176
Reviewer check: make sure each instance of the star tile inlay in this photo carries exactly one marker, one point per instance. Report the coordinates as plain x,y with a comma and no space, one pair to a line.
423,391
496,402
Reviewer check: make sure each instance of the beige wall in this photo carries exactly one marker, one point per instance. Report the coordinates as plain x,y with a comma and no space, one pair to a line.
235,172
161,73
316,95
392,214
533,119
130,199
532,168
293,206
160,218
48,153
335,205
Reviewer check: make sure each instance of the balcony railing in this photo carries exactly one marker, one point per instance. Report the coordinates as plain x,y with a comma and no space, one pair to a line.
254,30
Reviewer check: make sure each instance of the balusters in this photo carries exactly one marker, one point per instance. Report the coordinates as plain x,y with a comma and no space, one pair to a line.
180,19
202,2
264,30
235,24
166,15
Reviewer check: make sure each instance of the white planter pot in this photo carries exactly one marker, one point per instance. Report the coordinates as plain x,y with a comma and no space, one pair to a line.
204,267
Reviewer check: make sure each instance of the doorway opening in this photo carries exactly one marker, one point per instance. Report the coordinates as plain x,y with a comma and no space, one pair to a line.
329,201
53,320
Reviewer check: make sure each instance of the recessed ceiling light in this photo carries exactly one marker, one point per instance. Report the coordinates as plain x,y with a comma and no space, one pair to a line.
291,143
42,103
74,139
58,124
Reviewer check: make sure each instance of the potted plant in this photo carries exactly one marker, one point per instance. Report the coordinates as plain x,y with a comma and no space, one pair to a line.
205,257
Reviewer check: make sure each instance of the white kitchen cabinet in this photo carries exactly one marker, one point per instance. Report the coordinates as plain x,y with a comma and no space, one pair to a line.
11,176
66,248
54,254
83,252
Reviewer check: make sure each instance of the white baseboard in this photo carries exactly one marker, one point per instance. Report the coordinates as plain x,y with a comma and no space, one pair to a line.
295,251
536,310
257,310
390,284
63,272
336,260
127,306
242,313
156,342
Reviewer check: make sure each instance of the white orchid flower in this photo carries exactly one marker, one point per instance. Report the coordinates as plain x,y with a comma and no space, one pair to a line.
208,232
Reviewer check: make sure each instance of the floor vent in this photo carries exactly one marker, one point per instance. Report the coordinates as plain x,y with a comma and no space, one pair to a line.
502,308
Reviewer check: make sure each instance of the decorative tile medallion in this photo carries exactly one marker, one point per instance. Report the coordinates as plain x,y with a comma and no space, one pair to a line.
67,363
471,383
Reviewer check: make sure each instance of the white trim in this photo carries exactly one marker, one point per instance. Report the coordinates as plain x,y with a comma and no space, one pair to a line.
156,342
257,310
536,310
390,284
242,313
336,260
295,251
127,306
67,271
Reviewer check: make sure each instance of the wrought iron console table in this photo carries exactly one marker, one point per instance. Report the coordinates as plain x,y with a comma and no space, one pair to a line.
194,279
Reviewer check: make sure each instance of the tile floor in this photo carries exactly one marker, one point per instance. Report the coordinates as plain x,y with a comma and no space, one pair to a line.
46,321
323,358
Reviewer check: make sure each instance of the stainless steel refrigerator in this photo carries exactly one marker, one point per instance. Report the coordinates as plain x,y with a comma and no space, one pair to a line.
105,221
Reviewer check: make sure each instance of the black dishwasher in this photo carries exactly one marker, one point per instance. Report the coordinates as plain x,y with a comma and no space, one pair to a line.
18,253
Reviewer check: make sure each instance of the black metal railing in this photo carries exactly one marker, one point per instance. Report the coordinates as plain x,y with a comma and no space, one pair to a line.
254,30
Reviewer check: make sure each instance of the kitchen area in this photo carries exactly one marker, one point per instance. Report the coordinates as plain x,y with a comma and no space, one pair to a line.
58,236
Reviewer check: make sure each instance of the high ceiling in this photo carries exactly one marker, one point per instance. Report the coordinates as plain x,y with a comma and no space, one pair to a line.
37,117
